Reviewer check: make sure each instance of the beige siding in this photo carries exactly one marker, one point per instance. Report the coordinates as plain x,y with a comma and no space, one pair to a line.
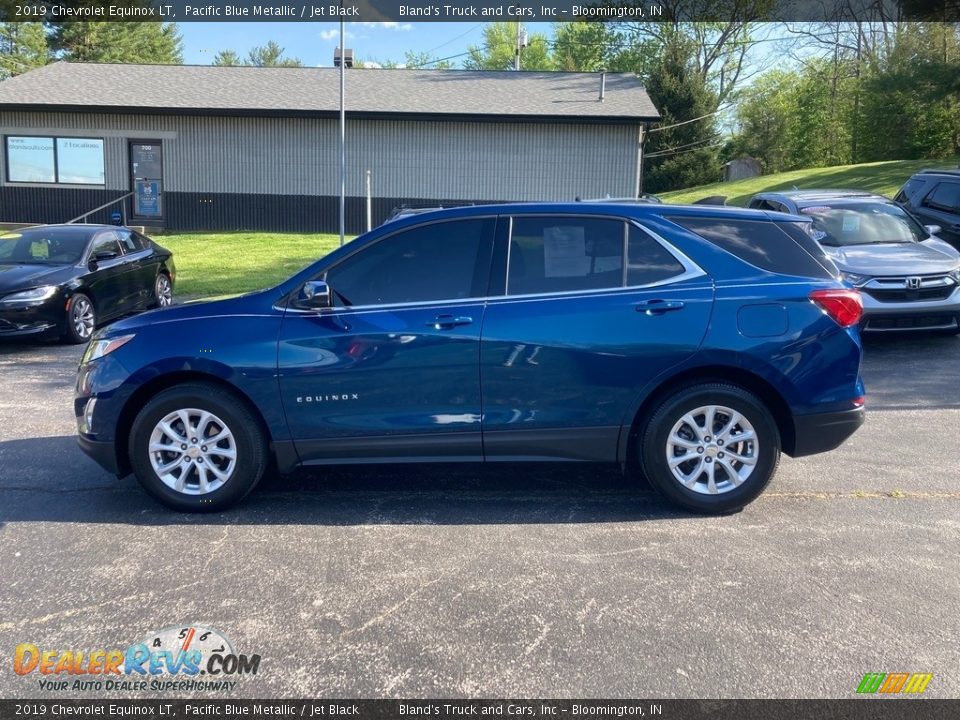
408,159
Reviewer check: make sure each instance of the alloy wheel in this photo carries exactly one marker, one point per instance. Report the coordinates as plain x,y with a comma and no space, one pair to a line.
712,450
193,451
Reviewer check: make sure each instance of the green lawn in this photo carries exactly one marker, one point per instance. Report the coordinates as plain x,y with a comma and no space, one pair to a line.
211,264
881,177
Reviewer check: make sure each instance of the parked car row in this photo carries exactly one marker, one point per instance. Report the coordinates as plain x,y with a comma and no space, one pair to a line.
66,280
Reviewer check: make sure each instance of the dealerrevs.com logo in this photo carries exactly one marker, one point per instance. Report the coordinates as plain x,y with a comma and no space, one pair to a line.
175,659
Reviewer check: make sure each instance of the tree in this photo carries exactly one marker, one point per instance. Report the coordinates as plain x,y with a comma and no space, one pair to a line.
227,58
680,156
118,42
23,47
270,55
499,49
583,46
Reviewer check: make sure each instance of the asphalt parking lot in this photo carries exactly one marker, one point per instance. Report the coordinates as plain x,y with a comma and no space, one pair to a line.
514,581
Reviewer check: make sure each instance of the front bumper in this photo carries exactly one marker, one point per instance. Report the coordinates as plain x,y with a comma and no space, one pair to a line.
821,432
885,316
30,319
103,452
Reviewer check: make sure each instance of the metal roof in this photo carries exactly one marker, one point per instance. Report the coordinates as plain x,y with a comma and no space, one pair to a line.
206,89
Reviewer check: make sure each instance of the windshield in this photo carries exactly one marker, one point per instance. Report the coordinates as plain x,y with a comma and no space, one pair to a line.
862,223
44,246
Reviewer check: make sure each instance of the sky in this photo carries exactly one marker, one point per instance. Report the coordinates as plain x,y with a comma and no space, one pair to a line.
313,42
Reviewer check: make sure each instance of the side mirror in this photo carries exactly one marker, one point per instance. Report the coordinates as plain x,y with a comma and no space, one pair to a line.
932,229
314,295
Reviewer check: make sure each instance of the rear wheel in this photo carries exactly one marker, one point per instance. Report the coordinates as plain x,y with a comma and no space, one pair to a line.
196,448
710,448
81,319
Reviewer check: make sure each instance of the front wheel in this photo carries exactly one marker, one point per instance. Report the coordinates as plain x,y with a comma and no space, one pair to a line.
162,291
711,448
196,448
81,319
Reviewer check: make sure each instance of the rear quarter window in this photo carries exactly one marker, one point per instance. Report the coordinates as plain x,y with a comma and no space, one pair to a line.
761,243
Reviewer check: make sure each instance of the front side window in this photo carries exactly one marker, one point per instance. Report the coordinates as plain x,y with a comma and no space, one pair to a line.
68,161
551,254
440,261
105,244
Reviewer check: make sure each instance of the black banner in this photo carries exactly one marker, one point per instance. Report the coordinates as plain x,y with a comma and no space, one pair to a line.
858,709
477,10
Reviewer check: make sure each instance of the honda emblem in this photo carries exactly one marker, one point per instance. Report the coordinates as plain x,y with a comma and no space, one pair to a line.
912,283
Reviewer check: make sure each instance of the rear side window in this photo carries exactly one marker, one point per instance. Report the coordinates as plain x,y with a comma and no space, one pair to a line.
760,243
557,254
130,241
648,261
945,196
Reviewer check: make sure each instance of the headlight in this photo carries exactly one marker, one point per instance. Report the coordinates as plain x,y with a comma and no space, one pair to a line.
40,293
98,348
855,279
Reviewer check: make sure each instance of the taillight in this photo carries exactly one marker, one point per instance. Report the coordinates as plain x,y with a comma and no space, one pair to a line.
844,306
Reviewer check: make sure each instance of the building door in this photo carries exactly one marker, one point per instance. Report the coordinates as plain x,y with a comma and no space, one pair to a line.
146,179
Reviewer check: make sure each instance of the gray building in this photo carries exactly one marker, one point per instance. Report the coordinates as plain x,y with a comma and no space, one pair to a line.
204,148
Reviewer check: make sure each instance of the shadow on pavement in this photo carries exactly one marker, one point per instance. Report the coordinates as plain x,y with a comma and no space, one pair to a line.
71,488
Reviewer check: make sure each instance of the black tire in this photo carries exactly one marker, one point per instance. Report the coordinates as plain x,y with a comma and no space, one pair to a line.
158,292
75,331
653,449
248,443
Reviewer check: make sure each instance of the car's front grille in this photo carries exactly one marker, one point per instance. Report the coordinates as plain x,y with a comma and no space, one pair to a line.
932,321
925,288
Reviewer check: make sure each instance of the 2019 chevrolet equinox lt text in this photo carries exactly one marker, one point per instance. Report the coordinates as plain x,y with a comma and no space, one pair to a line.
691,345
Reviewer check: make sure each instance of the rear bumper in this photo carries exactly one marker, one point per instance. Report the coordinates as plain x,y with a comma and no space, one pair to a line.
822,432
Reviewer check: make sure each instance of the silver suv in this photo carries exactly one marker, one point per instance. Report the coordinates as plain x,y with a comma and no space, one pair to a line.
908,276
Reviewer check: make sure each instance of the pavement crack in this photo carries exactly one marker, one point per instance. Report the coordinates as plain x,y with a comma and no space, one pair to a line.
389,611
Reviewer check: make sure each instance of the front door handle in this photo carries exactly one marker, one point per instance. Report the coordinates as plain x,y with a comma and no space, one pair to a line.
445,322
658,307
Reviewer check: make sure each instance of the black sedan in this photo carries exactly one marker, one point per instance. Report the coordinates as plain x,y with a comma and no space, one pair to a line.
68,279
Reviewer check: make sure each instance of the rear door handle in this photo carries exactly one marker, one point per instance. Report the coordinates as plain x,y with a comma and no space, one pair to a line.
658,307
445,322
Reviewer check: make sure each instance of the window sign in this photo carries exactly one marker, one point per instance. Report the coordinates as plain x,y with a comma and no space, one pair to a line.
148,198
30,159
80,161
69,161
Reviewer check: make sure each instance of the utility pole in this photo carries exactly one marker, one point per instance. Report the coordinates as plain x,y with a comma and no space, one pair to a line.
516,51
343,132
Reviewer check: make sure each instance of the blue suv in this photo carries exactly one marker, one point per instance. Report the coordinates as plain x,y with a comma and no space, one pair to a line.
690,345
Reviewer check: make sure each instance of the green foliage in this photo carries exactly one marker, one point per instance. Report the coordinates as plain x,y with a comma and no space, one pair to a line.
499,48
883,177
227,58
23,47
582,46
269,55
679,156
117,42
898,97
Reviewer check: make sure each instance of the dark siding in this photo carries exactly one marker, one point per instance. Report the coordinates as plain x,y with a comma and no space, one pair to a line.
209,211
54,205
281,213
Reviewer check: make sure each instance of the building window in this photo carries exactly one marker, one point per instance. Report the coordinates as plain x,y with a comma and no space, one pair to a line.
67,161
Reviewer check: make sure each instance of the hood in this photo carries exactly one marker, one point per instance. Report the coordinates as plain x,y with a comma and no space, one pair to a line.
893,259
23,277
255,303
